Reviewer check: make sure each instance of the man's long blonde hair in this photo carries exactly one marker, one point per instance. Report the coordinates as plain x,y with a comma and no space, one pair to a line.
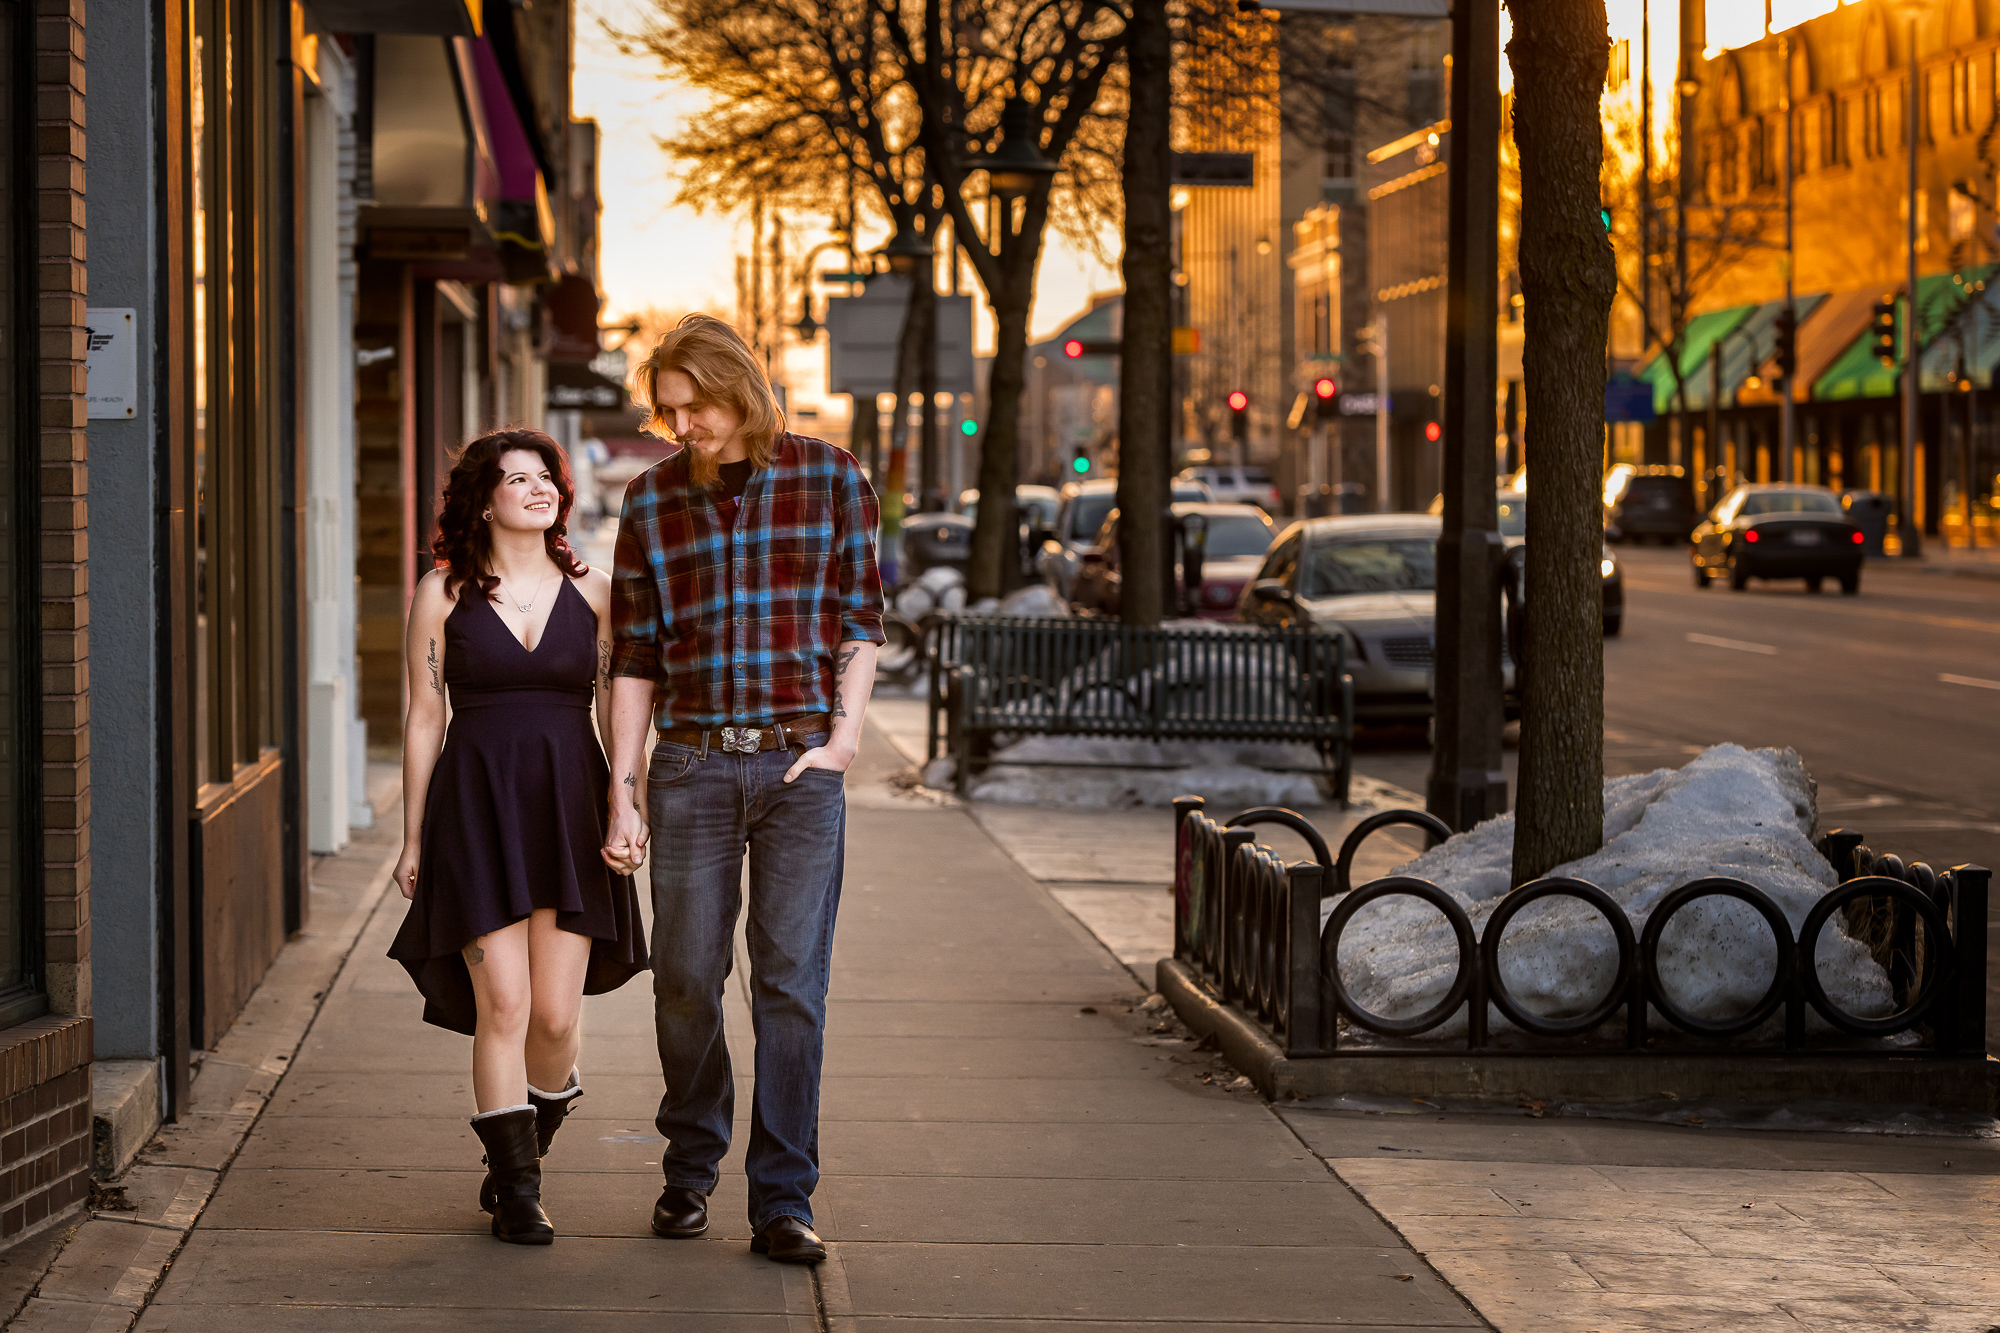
722,366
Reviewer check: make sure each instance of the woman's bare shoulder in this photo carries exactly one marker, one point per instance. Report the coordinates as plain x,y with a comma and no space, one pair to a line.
595,585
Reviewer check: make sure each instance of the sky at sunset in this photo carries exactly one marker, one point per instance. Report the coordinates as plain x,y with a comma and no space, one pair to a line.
657,253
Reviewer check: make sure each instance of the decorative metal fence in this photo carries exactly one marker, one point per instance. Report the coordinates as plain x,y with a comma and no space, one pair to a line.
1248,923
994,676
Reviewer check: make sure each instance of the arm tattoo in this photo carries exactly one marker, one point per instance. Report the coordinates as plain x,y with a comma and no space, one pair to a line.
474,954
839,710
432,660
840,674
604,660
631,780
846,660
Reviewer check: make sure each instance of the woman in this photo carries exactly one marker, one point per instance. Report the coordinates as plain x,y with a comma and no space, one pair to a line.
514,916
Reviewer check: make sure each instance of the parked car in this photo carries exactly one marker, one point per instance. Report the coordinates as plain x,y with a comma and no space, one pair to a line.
1035,502
1237,485
1650,504
930,540
1237,538
1372,579
1777,531
1611,575
1085,505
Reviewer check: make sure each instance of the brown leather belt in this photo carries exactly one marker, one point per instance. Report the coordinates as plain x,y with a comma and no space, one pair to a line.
779,735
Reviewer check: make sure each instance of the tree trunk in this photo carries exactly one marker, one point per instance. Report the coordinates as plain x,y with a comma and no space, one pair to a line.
1145,370
994,536
1568,278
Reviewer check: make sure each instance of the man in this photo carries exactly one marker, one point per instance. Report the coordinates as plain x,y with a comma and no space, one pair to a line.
746,612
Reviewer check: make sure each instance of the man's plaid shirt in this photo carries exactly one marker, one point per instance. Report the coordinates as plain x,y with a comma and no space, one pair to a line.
737,625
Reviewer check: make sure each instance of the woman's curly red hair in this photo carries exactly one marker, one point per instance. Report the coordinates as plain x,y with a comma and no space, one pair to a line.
464,542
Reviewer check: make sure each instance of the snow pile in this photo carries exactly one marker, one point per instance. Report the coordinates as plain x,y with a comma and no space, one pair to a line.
1037,600
1232,775
1747,814
939,588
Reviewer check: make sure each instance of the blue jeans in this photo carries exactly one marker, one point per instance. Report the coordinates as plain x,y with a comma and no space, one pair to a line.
704,812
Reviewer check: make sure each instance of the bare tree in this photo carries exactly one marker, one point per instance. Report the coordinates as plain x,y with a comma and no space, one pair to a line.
1568,279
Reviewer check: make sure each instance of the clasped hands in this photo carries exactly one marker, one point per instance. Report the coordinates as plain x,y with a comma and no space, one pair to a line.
625,841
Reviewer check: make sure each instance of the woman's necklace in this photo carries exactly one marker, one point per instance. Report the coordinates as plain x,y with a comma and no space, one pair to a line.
529,605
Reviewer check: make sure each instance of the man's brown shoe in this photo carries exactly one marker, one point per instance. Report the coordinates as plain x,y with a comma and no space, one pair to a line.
787,1240
680,1213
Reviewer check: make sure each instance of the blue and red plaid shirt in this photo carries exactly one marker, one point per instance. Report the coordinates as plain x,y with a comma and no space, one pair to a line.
735,618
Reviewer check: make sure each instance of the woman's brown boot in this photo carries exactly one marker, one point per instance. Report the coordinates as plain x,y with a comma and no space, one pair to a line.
514,1165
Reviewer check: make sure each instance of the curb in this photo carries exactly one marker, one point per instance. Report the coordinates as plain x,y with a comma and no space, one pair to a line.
1970,1084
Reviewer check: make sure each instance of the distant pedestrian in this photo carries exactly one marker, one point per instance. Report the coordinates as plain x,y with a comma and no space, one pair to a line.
514,916
747,614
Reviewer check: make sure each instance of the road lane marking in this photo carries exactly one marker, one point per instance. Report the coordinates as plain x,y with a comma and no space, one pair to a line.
1739,645
1834,608
1973,681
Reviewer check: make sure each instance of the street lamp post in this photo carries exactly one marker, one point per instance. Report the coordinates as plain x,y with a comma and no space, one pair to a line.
1787,411
1906,507
1467,783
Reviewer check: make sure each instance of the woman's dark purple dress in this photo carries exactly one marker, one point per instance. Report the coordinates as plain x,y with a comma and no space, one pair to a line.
515,814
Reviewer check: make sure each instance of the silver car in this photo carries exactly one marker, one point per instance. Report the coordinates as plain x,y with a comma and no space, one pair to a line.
1373,579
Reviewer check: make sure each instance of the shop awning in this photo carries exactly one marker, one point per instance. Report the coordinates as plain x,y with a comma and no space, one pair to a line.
1968,345
1752,353
1703,332
1942,298
417,18
517,211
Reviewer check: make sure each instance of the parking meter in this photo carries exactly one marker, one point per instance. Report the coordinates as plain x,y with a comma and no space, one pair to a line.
1192,534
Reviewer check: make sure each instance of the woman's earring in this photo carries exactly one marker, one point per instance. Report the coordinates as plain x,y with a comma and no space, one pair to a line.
489,516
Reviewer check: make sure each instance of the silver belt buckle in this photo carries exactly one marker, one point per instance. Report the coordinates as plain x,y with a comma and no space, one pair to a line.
741,740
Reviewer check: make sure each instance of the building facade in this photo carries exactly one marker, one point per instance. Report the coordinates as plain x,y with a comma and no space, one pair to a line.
1838,86
329,240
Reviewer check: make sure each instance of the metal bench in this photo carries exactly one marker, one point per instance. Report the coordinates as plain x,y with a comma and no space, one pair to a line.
1003,676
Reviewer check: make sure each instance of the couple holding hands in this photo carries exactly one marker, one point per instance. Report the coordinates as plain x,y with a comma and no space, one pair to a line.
740,624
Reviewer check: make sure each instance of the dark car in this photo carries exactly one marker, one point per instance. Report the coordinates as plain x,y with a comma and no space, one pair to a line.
1779,532
1238,536
930,540
1650,504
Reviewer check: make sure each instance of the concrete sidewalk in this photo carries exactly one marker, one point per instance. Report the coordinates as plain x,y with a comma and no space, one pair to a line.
1010,1140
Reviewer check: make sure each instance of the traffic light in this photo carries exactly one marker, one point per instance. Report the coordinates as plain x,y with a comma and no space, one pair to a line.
1786,329
1239,415
1076,347
1885,330
1079,463
1433,431
1326,397
968,427
1073,348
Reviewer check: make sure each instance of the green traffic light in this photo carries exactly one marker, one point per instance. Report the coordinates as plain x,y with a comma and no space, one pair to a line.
1081,464
968,427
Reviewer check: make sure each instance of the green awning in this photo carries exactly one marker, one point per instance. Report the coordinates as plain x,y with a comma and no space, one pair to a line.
1702,333
1859,373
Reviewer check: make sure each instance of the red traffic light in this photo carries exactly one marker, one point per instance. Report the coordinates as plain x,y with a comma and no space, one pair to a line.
1073,349
1238,400
1432,431
1325,388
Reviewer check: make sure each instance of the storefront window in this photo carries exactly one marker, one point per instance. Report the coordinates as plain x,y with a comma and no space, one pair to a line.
20,727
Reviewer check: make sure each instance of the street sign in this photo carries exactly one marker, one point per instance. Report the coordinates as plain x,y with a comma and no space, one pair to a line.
1627,398
1228,169
864,331
1359,404
845,277
112,370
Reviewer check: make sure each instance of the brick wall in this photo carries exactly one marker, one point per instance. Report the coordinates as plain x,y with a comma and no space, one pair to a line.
45,1129
65,538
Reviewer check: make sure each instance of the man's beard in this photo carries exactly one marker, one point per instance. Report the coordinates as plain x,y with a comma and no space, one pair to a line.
704,467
